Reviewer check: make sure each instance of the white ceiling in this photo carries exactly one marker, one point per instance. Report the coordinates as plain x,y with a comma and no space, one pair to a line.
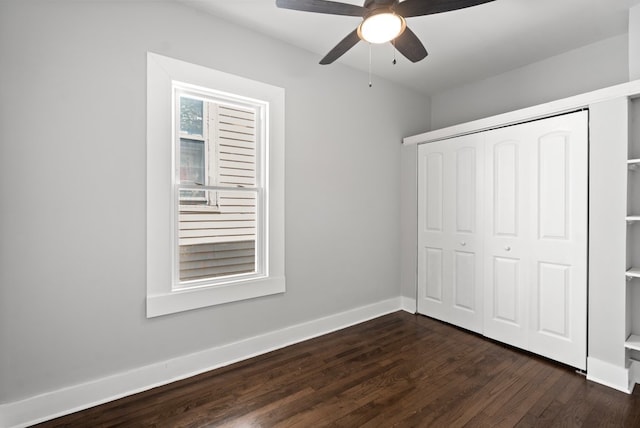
463,45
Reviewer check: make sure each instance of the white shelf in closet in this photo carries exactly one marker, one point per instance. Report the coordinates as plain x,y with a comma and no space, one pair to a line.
633,342
633,273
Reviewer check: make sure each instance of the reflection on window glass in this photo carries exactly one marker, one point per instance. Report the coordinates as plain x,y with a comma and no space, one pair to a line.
191,167
191,112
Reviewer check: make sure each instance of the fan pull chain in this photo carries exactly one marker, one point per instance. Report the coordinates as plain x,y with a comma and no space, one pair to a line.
393,43
370,84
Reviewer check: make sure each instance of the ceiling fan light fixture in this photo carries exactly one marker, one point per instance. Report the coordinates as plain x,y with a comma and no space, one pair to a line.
381,27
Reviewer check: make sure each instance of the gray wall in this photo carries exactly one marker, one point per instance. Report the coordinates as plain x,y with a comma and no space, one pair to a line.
634,43
591,67
608,135
409,221
72,186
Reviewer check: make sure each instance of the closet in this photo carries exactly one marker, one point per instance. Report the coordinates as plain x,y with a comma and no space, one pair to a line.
502,234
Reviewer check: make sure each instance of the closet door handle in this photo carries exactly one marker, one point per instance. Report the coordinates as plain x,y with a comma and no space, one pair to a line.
507,248
463,243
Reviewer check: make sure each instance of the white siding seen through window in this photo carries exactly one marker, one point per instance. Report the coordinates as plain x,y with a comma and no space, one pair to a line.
217,228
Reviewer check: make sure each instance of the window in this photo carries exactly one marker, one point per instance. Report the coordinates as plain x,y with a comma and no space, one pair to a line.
215,217
219,149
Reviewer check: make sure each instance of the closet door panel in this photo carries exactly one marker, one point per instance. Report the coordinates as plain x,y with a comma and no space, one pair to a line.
467,245
559,242
433,265
433,181
507,291
553,182
466,185
553,297
464,281
506,194
433,242
450,179
506,310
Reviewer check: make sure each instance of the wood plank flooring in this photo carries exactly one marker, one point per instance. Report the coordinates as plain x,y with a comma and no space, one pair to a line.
399,370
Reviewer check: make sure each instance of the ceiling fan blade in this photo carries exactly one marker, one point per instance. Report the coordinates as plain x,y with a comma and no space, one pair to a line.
347,43
322,6
409,8
410,46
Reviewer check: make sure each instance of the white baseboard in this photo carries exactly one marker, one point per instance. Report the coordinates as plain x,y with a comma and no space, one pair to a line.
408,304
609,375
82,396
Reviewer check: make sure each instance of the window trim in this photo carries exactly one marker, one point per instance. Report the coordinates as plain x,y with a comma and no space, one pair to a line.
162,298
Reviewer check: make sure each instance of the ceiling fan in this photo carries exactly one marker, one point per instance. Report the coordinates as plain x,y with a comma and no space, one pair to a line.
383,21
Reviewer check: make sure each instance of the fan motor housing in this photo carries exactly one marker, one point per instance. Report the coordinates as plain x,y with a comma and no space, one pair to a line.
376,4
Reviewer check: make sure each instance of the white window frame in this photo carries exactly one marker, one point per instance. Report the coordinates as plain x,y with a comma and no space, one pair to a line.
162,295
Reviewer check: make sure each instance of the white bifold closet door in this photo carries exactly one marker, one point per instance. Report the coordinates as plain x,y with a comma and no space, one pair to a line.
503,237
450,231
536,237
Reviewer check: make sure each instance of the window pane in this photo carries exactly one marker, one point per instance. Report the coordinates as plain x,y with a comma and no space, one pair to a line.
192,165
237,146
218,241
191,113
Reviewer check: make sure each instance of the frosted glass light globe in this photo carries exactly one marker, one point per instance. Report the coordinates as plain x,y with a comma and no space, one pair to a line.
382,27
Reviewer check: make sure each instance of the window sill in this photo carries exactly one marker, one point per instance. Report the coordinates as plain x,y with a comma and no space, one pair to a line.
194,298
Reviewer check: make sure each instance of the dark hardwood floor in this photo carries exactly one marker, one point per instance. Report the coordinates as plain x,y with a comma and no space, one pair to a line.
398,370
